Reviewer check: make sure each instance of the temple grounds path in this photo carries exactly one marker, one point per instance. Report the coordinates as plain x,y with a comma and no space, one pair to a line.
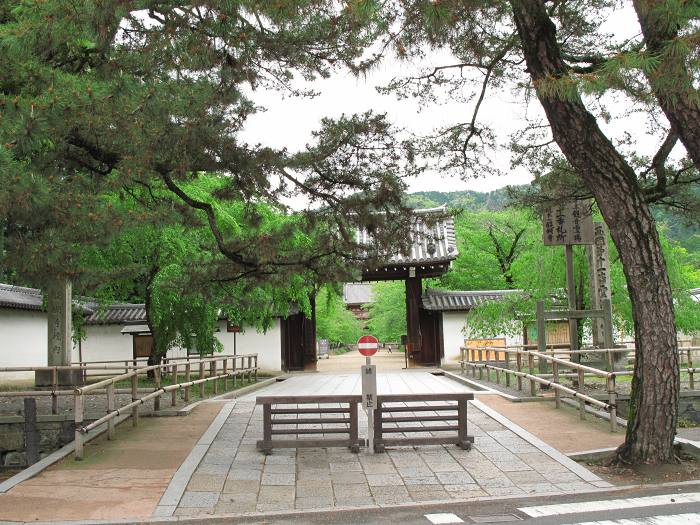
128,477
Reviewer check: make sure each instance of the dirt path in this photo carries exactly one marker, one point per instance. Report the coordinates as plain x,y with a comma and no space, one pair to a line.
124,478
560,428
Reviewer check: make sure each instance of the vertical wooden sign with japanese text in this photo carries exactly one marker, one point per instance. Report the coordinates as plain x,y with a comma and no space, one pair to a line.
568,223
599,277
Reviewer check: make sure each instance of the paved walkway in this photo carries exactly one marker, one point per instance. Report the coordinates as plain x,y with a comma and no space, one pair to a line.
352,361
233,477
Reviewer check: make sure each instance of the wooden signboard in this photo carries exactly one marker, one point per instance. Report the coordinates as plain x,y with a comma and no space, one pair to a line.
568,223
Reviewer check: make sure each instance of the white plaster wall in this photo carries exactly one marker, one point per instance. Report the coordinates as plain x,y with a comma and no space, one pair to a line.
104,343
453,324
268,345
23,342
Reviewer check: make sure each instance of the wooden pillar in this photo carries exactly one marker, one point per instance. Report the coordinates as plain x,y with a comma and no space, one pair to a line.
414,291
571,295
111,407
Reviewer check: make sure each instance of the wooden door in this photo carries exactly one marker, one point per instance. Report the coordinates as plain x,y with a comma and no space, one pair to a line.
143,345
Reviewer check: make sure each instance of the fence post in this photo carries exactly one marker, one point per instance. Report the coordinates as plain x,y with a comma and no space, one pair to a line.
555,379
378,428
110,408
201,376
255,371
462,439
581,402
519,366
250,368
481,361
530,366
225,374
267,428
78,416
354,437
54,387
134,397
187,380
173,399
156,401
506,354
212,373
31,434
612,401
690,372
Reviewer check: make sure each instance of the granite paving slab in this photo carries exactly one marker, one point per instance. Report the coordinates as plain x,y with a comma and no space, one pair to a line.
233,477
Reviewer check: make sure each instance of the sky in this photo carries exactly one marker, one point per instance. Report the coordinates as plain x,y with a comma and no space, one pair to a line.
288,122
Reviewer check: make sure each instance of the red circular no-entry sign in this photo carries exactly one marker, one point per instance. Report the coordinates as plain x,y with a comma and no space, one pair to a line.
368,345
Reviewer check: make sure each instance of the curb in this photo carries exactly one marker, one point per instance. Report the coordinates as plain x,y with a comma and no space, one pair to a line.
255,517
178,483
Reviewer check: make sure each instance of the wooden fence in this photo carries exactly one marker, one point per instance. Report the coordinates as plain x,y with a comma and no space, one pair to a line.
290,415
217,369
481,359
289,411
385,422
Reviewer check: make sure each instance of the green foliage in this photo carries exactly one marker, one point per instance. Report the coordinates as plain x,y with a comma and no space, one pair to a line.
333,321
108,100
539,272
387,314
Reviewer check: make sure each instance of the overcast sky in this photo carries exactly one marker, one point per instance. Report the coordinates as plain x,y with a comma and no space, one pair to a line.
289,121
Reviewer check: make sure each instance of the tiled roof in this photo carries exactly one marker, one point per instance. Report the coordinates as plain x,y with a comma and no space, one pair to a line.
21,298
461,300
119,313
432,235
358,293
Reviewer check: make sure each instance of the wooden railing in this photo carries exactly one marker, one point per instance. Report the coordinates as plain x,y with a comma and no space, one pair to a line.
343,420
444,413
216,369
486,359
248,368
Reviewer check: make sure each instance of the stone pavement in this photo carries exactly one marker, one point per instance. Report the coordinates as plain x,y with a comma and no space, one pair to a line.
233,477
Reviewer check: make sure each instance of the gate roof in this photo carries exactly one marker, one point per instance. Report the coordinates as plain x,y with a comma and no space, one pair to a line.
433,248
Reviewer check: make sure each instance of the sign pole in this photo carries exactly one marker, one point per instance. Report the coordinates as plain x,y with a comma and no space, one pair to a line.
367,346
370,409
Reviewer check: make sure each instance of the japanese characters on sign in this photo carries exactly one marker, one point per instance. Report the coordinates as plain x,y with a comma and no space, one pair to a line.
602,270
568,223
369,386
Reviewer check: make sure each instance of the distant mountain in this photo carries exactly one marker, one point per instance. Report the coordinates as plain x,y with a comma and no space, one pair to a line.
467,199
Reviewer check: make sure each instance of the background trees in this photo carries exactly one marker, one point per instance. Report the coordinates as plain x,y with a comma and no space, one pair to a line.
110,101
567,56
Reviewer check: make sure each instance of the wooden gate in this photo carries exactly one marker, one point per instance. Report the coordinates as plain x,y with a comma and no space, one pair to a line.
452,410
290,411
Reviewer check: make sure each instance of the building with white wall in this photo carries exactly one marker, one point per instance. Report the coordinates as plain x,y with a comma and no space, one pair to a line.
114,332
453,307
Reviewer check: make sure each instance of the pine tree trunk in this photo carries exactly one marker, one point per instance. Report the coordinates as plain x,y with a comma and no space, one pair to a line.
654,401
671,81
